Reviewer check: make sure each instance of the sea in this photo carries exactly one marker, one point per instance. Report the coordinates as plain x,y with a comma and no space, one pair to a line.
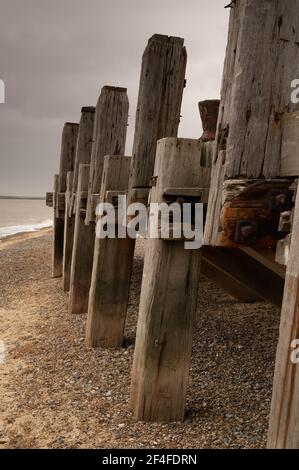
23,215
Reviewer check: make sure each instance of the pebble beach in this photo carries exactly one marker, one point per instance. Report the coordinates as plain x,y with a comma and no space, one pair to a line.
56,393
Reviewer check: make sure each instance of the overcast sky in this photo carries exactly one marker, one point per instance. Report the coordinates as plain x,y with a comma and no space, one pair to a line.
55,56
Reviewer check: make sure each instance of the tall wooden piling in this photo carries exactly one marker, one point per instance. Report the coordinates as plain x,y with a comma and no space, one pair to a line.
84,238
68,152
261,61
169,291
249,192
68,240
109,135
81,234
108,294
58,227
110,132
67,157
84,142
284,416
161,87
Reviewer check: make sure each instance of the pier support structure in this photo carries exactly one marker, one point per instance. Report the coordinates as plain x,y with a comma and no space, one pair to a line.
67,158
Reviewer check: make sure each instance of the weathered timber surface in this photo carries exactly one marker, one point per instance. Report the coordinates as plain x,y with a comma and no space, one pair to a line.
290,145
209,110
68,151
161,87
69,226
49,199
284,416
109,137
58,228
67,158
159,102
251,210
109,287
84,142
262,59
229,283
83,155
283,250
241,275
82,256
168,297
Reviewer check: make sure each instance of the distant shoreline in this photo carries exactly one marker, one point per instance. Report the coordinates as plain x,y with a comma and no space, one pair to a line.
24,197
21,236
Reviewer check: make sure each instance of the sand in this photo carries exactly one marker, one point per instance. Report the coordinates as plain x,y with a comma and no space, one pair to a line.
56,393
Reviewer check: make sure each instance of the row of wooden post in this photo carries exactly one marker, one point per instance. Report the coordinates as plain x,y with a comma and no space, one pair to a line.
244,165
97,272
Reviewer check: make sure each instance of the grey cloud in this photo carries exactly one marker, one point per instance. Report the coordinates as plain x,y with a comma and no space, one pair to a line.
55,55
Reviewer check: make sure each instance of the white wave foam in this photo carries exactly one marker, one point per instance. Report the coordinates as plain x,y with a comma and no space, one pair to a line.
13,230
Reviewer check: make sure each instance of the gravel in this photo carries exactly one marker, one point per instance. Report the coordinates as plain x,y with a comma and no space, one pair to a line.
56,393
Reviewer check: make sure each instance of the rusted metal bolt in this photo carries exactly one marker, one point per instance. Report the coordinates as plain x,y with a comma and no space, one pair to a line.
246,231
180,201
281,200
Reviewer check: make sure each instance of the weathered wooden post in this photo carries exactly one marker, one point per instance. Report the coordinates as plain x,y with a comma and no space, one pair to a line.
83,152
84,238
81,235
232,268
284,416
108,293
209,110
247,191
67,157
58,227
169,290
84,142
69,225
161,87
110,132
109,136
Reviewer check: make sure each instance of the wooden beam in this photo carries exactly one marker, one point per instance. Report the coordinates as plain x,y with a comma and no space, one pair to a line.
230,284
284,416
266,258
168,297
109,287
241,275
251,210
